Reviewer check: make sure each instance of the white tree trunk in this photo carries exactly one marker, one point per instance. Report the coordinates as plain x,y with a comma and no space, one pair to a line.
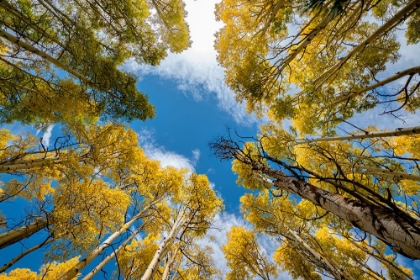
329,265
164,247
391,133
169,265
70,274
385,172
401,233
27,164
15,235
110,256
400,16
410,71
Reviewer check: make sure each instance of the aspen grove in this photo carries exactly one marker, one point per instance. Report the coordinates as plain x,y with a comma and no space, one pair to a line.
323,195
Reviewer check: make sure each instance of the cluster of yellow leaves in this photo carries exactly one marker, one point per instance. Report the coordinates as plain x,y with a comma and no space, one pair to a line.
245,257
136,257
49,271
85,210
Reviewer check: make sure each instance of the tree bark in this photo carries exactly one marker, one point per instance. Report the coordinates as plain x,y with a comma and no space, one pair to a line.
400,16
409,72
385,172
333,268
401,233
397,132
12,236
163,248
27,164
70,274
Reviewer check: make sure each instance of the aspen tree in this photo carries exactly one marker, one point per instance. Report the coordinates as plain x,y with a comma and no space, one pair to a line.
329,52
195,207
87,41
372,213
245,258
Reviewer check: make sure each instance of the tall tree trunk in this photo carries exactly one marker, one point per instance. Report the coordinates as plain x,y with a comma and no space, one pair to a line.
70,274
27,164
397,132
97,268
21,43
385,172
399,17
169,265
407,72
401,233
23,254
15,235
329,265
164,247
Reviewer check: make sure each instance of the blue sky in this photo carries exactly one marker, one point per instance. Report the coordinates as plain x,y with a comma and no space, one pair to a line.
192,107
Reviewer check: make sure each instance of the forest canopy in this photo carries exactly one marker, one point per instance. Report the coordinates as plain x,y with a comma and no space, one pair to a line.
330,195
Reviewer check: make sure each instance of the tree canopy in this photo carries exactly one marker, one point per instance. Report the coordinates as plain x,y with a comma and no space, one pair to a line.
60,60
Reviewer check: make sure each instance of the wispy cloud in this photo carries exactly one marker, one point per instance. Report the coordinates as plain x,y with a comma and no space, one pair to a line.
196,70
46,135
166,158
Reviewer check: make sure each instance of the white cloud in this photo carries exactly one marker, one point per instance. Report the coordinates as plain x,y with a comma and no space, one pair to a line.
47,135
166,158
196,70
196,155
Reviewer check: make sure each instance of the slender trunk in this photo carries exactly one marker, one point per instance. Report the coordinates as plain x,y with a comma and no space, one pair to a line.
97,268
71,273
23,254
409,72
401,233
329,265
379,171
169,264
27,164
18,14
273,14
163,248
397,132
42,54
399,17
390,266
306,41
12,236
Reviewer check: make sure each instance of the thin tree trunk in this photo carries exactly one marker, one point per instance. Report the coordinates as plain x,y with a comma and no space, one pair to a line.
12,236
71,273
409,72
390,266
401,233
42,54
18,14
169,264
27,164
110,256
400,16
23,254
329,265
397,132
385,172
163,248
